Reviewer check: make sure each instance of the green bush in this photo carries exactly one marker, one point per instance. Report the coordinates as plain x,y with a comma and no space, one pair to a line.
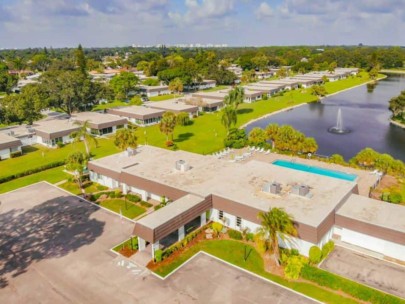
157,207
158,255
354,289
15,154
294,265
217,227
133,198
118,193
327,248
60,144
145,204
111,194
234,234
260,242
31,171
250,236
315,255
236,139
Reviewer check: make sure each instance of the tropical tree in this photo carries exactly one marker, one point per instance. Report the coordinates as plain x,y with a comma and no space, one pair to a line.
318,91
83,134
167,124
332,66
183,119
76,162
276,224
257,137
281,73
126,138
235,97
124,83
176,86
309,145
272,133
229,117
81,60
397,106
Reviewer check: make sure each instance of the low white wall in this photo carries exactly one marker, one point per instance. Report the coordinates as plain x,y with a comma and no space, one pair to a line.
384,247
103,180
5,153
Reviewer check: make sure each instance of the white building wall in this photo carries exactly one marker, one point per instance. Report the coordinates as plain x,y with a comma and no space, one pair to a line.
5,153
384,247
103,180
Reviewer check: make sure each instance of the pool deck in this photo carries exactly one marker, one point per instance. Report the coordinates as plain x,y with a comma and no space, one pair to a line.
365,179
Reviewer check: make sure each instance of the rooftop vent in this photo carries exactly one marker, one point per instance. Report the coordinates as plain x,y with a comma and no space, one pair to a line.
130,152
301,190
273,188
11,133
182,165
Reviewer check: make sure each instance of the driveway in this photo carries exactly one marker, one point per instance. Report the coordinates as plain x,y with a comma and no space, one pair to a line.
55,248
370,271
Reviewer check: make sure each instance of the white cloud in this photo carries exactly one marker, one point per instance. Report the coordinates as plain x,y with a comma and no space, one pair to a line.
200,12
264,11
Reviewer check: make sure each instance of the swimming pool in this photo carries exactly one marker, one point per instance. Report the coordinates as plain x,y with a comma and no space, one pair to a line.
315,170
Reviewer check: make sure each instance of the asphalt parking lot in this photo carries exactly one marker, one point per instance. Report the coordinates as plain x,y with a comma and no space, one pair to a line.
55,248
367,270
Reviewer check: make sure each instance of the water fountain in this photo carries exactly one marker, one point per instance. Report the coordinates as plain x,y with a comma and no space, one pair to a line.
339,129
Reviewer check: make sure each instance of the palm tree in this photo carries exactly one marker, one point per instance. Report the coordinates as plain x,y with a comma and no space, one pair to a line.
76,162
126,138
272,133
235,97
167,124
82,134
229,117
276,223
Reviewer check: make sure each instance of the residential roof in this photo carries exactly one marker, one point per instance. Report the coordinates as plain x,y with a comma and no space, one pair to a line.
374,212
239,182
138,112
170,211
7,142
154,88
174,105
54,128
99,120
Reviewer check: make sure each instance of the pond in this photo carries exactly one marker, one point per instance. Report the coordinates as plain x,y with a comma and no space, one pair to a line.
364,113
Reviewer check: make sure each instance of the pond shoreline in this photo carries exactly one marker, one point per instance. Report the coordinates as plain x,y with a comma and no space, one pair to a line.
398,124
305,103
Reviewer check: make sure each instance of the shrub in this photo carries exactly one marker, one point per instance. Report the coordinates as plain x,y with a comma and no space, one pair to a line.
395,198
183,119
260,243
236,139
217,227
15,154
101,187
31,171
294,266
315,255
60,144
118,193
327,248
145,204
169,143
111,194
157,207
158,255
133,198
354,289
234,234
250,236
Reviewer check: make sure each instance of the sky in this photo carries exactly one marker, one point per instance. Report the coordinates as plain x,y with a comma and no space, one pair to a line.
98,23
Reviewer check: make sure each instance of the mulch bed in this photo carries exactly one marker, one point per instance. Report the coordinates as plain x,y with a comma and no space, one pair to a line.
127,251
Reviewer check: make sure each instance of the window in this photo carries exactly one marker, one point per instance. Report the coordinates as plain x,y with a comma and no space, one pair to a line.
238,222
220,214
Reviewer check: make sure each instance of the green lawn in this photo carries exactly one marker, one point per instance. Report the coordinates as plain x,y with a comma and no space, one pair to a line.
217,88
335,86
52,176
164,97
117,205
233,252
37,156
89,187
116,103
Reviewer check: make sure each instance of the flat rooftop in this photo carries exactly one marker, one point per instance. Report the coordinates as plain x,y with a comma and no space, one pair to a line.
136,111
240,182
7,141
99,120
374,212
170,211
174,105
55,126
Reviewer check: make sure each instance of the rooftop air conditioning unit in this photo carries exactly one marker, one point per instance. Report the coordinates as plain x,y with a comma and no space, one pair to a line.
182,165
273,188
130,152
301,190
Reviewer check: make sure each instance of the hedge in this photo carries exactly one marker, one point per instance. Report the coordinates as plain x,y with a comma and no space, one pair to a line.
234,234
31,171
133,198
352,288
145,204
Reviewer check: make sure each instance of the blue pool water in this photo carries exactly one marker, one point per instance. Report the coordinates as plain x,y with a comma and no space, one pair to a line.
315,170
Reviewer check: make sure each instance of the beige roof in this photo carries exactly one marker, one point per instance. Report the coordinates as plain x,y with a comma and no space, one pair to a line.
170,211
57,127
99,120
374,212
174,105
240,182
137,110
7,141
